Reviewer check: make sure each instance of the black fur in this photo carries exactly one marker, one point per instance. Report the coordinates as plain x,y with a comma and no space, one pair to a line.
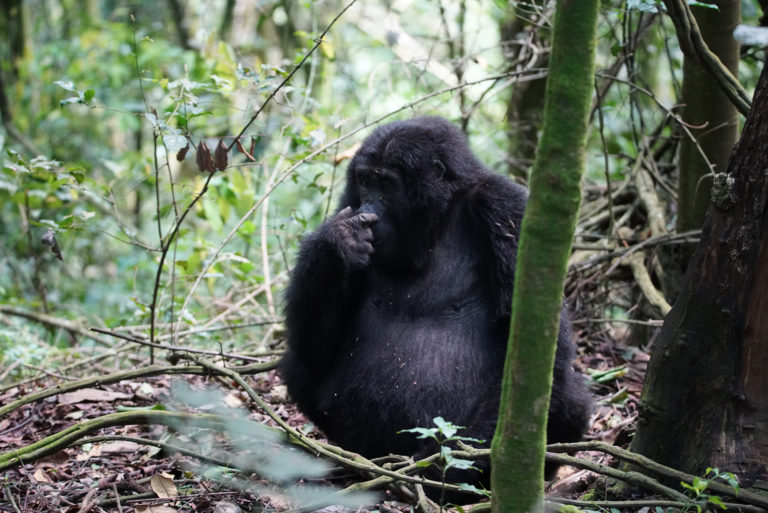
398,307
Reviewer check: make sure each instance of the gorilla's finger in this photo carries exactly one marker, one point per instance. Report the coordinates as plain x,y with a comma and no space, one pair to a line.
367,235
344,212
368,218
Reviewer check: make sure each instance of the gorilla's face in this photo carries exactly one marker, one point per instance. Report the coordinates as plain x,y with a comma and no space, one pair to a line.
382,192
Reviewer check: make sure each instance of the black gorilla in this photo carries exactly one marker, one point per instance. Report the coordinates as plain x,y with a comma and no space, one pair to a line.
398,307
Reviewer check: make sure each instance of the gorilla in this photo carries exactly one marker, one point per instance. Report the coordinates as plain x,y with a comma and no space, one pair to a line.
398,308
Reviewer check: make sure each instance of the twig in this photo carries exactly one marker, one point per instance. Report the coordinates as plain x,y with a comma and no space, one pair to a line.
296,68
652,322
634,478
175,349
66,437
690,237
53,321
643,280
10,498
520,77
642,504
79,363
337,454
145,372
650,465
693,46
606,165
670,112
166,447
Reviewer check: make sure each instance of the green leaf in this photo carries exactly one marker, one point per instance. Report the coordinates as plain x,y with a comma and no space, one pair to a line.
88,95
696,3
643,5
470,488
446,428
700,484
212,215
603,376
460,464
66,222
71,99
68,85
717,501
78,173
422,432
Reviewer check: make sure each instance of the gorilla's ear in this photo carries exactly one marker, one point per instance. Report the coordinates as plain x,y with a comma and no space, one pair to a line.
441,170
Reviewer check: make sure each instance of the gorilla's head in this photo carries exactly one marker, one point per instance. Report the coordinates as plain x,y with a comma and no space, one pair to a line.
407,173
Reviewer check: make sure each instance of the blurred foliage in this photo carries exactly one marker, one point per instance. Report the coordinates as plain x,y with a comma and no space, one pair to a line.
108,93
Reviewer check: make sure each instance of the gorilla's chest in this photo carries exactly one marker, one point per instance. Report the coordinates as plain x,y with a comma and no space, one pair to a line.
449,288
431,332
445,308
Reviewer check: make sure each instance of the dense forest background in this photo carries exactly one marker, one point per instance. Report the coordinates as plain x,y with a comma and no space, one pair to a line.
162,160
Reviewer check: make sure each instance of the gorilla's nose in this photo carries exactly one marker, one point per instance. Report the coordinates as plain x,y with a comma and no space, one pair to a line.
367,208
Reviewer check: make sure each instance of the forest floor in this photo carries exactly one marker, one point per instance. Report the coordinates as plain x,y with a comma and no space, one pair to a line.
117,474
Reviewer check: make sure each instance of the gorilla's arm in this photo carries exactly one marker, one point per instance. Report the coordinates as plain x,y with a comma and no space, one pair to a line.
496,206
324,287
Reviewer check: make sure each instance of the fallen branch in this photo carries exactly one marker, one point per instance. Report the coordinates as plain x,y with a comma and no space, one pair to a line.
116,377
67,437
657,468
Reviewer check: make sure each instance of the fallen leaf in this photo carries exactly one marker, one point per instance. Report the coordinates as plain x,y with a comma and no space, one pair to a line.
93,395
232,400
163,486
41,477
156,509
120,446
93,452
226,507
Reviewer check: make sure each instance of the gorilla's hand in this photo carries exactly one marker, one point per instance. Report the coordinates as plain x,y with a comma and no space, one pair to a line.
352,235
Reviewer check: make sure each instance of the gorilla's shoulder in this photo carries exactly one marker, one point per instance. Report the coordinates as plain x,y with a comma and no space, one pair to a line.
493,199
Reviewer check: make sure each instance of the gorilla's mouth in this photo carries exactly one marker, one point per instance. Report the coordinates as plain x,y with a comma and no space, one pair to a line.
378,241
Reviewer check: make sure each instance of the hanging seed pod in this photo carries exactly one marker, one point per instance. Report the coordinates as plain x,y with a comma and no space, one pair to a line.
253,145
220,156
182,153
204,159
242,150
49,239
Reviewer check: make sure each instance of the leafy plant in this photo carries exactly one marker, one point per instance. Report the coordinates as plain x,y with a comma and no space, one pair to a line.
697,489
444,434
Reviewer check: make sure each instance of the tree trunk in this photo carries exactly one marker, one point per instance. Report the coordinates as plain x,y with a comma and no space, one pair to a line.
226,20
707,107
526,102
12,24
179,17
517,449
705,399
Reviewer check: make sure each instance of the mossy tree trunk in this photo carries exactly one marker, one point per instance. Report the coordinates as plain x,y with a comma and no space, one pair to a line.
517,456
705,399
714,120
